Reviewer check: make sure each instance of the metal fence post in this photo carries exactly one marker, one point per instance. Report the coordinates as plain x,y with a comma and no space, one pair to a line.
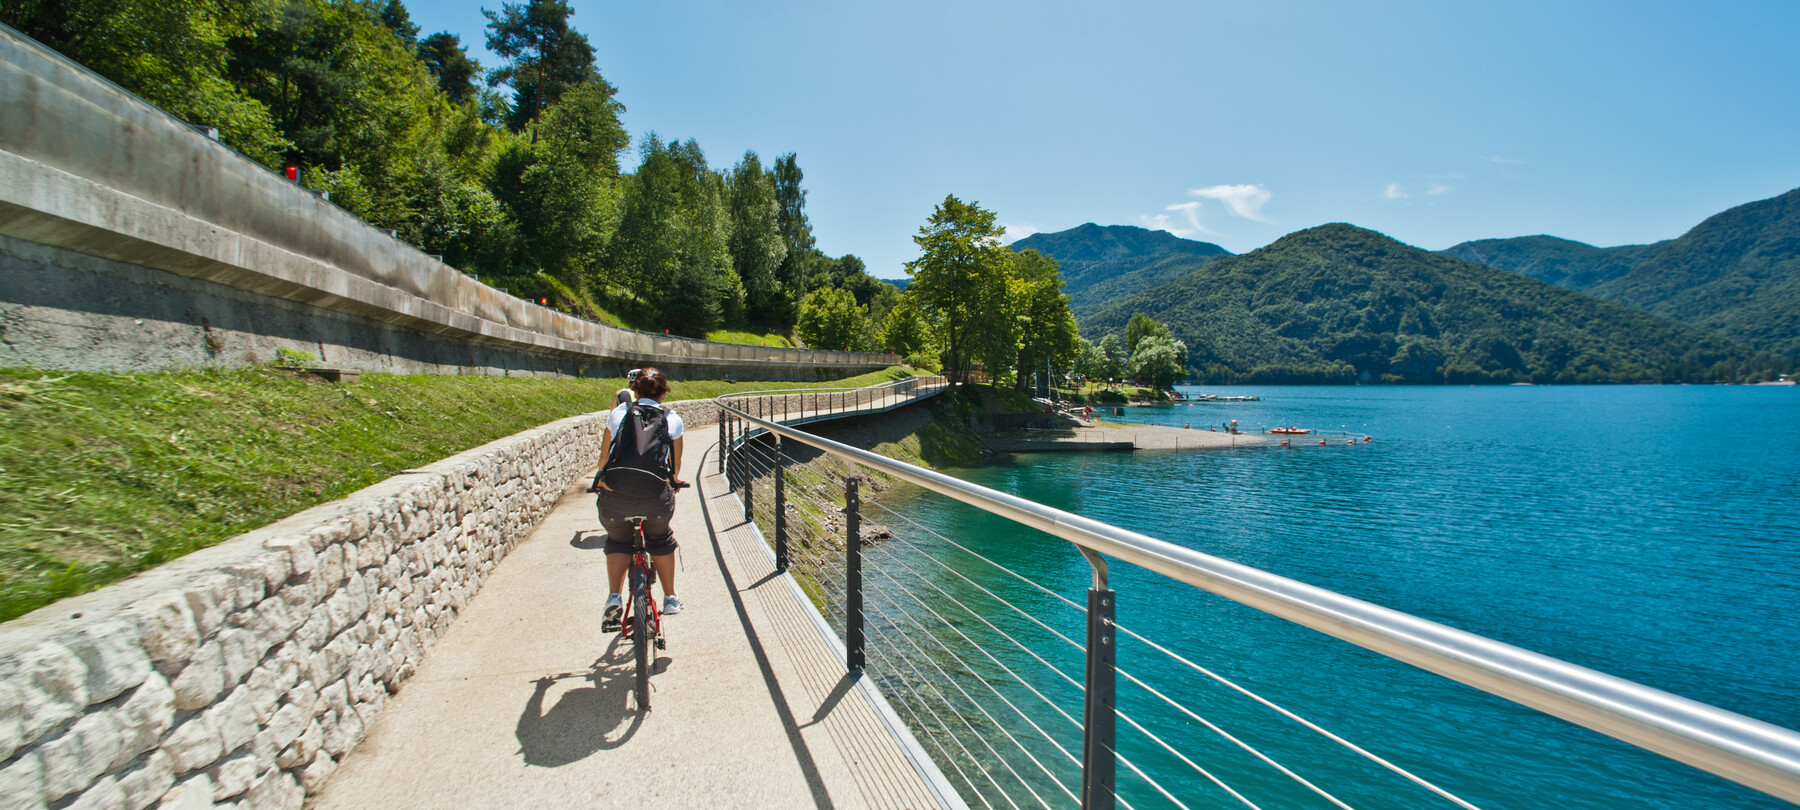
853,587
1098,713
749,490
781,530
722,444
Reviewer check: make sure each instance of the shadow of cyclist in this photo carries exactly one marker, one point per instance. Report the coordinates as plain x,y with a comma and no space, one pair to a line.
595,717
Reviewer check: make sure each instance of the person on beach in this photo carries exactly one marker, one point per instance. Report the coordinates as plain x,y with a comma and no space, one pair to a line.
640,466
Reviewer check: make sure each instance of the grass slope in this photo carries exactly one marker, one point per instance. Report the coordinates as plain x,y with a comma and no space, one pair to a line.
105,475
1339,303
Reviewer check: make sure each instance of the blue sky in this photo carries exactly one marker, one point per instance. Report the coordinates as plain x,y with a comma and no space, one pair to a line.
1234,123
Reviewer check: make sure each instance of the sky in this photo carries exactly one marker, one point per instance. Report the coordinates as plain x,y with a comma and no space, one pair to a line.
1227,122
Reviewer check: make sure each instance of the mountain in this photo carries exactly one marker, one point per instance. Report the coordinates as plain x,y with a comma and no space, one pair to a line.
1339,303
1568,264
1101,264
1738,272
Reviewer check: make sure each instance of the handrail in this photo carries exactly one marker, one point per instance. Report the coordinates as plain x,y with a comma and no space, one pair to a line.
1756,754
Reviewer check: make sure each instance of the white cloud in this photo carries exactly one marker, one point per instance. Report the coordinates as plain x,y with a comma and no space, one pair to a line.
1243,200
1436,189
1163,222
1013,233
1394,192
1504,161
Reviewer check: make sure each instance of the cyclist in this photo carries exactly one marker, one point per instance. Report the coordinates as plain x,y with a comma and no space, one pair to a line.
640,459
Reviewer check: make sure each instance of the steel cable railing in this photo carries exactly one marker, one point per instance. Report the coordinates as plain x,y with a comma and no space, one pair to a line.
934,642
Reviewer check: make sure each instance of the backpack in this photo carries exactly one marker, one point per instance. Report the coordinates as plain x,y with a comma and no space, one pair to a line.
641,452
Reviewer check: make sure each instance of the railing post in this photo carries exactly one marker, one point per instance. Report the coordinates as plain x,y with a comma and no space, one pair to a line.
722,443
853,590
781,531
749,491
1098,713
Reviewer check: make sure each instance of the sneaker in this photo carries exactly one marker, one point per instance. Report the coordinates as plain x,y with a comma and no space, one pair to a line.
615,609
671,605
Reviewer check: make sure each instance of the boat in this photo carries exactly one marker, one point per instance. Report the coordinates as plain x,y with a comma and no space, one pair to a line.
1290,430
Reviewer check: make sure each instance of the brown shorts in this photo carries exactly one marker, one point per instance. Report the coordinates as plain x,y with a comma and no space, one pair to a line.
657,510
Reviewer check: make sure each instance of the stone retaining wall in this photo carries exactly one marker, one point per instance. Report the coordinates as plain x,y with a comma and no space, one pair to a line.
239,675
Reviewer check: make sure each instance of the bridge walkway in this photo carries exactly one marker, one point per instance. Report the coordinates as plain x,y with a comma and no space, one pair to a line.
525,703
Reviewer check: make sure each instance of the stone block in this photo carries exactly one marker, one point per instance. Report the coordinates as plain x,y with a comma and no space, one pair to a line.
277,790
193,794
233,776
102,795
202,679
143,786
12,720
239,653
302,750
285,727
22,782
302,559
73,760
211,597
51,685
331,566
166,624
143,718
193,745
234,718
313,778
114,656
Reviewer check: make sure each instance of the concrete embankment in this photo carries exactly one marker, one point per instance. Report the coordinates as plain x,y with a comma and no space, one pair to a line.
1123,437
129,241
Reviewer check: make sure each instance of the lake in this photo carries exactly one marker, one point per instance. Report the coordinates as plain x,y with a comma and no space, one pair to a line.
1644,531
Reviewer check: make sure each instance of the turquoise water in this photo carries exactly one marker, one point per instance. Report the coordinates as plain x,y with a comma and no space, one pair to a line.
1648,532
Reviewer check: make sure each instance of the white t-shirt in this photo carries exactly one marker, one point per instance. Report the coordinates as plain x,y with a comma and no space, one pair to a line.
617,418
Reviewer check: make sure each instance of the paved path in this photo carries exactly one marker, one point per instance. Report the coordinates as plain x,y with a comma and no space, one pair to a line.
524,703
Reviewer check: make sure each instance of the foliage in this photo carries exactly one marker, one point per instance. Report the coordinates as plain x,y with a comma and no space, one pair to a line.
444,55
560,186
830,319
1048,335
757,245
1102,264
1142,326
671,242
545,57
960,279
1160,361
1342,304
1738,272
906,332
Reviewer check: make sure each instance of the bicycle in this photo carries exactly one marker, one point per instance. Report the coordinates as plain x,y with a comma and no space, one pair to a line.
642,619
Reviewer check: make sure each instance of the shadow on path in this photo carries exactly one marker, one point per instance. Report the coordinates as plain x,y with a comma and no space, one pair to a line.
814,782
585,719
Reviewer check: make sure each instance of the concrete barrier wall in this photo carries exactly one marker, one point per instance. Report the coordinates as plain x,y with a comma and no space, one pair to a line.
241,673
87,168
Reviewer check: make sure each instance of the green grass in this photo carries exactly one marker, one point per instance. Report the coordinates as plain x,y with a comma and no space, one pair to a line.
748,338
105,475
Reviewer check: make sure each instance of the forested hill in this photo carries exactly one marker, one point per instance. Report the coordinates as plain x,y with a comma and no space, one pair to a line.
1102,264
1339,303
1566,263
1738,272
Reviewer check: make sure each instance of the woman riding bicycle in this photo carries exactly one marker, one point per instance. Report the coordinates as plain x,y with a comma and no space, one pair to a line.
640,460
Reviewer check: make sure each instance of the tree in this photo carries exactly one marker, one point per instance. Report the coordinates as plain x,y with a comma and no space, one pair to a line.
1159,361
394,16
561,190
1139,327
545,57
670,248
1047,332
905,332
444,55
1115,357
757,246
830,319
796,230
959,277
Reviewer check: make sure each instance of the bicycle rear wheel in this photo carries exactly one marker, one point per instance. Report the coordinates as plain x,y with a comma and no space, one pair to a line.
641,640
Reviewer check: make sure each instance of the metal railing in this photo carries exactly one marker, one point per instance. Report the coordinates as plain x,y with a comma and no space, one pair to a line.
804,511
